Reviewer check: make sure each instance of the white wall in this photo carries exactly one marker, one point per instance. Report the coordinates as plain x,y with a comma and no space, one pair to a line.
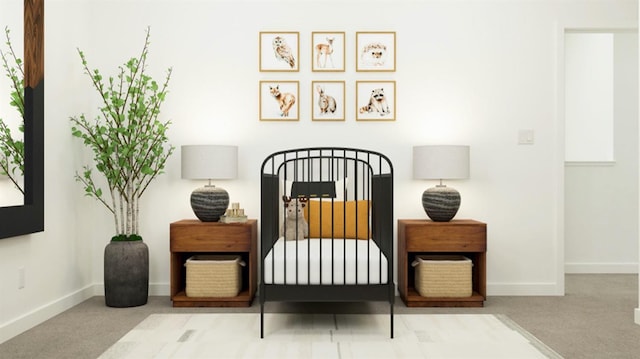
468,72
601,199
589,66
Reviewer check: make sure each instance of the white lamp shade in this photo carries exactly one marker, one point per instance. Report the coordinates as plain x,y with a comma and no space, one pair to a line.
440,162
209,162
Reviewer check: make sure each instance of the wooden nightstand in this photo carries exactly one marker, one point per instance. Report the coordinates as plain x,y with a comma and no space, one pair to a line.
190,237
462,237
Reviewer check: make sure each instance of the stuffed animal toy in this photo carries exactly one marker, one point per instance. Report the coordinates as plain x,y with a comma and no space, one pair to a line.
295,226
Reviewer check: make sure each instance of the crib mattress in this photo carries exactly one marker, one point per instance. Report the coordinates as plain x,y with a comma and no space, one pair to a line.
354,261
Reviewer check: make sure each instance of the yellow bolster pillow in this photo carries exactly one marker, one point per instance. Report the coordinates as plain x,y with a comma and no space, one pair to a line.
357,218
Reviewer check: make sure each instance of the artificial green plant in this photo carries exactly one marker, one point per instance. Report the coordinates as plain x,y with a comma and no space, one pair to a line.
12,149
129,143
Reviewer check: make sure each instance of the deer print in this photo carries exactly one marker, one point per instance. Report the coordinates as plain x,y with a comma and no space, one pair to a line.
326,50
285,100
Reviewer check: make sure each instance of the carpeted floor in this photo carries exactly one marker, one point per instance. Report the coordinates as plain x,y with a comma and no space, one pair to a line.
593,320
327,336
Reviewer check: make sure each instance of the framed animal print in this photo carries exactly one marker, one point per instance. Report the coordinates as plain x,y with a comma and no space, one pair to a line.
327,100
327,51
279,101
376,51
279,51
375,100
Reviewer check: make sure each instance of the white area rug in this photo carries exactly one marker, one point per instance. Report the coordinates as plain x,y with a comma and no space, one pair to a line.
326,336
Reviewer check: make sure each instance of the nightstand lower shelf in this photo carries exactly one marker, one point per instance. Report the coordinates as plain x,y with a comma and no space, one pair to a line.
243,299
413,299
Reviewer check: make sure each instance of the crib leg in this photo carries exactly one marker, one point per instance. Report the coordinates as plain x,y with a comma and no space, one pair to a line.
391,314
261,320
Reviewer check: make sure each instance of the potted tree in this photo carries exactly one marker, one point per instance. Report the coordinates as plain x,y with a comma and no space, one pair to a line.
130,148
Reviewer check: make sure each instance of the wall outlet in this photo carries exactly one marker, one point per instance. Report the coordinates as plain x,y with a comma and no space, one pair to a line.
22,278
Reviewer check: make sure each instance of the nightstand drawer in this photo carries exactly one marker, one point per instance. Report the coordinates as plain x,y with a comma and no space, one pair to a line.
446,236
206,237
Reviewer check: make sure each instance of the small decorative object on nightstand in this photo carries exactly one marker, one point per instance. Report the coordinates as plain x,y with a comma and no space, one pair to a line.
209,162
441,203
235,214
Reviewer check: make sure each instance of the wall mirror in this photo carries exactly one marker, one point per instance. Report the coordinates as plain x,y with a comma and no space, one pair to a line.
11,117
28,217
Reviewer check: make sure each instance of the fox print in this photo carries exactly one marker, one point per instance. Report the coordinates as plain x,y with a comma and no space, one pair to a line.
285,100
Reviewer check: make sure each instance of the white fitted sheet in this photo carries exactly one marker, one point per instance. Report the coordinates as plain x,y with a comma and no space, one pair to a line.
309,263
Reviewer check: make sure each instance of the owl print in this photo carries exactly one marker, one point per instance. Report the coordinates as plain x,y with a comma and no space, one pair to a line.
282,51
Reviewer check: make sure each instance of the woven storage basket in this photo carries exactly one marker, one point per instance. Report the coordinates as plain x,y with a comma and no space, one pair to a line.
443,276
213,276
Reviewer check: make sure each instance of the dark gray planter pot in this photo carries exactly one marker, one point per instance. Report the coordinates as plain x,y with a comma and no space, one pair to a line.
126,274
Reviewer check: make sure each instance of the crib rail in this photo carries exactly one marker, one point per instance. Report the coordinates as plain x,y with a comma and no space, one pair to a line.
352,183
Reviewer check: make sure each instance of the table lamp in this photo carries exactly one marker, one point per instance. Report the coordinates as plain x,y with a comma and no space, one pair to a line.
441,203
209,162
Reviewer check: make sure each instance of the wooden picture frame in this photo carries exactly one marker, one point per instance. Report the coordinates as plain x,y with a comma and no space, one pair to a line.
376,51
376,100
276,101
327,51
279,51
328,101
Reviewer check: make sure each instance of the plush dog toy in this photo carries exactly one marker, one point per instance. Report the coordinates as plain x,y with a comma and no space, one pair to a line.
295,226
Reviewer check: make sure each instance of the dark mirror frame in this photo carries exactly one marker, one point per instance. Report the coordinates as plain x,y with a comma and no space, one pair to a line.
29,218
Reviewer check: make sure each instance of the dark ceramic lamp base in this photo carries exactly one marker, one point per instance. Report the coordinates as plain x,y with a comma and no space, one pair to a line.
209,203
441,203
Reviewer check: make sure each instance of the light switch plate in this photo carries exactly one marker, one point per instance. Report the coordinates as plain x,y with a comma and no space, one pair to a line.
525,137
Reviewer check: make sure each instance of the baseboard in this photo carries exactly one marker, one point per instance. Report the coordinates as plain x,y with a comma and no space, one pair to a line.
601,268
524,289
161,289
31,319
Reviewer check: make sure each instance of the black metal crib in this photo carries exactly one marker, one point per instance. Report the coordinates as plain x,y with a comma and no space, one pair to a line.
346,254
